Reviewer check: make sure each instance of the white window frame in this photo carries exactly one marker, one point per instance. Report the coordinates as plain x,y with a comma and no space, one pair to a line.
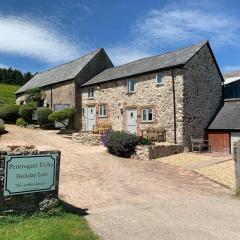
147,114
129,81
159,75
91,92
102,111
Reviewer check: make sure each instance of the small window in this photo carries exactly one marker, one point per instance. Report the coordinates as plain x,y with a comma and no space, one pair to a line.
131,86
159,78
147,115
102,111
91,92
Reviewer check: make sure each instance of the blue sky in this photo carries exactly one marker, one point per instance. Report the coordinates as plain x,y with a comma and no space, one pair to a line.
36,35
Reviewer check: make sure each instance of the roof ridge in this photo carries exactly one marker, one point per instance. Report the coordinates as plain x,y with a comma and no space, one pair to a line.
202,43
97,50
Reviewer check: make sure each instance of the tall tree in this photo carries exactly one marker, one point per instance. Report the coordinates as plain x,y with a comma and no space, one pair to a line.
14,76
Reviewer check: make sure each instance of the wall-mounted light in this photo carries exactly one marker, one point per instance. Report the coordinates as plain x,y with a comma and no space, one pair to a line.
98,87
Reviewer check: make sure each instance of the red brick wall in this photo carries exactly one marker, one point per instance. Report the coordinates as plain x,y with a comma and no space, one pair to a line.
220,140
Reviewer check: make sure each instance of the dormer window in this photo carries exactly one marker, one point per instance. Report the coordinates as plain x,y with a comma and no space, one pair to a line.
159,78
91,92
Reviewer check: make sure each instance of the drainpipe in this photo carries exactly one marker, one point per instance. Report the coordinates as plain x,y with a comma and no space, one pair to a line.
174,109
51,98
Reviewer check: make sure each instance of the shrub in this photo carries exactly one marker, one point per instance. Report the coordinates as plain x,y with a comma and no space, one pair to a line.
120,143
21,122
26,111
63,116
42,117
9,112
144,141
2,127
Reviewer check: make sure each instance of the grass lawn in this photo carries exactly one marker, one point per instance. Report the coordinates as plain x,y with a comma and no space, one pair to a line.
44,226
7,93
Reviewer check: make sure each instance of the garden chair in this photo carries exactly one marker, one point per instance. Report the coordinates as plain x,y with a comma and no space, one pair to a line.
199,144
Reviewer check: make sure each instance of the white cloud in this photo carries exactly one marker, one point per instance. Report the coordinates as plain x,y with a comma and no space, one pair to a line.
30,38
231,68
124,54
3,66
183,24
176,26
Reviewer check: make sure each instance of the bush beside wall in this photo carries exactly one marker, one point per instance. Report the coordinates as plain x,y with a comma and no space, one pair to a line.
2,127
26,111
9,112
42,117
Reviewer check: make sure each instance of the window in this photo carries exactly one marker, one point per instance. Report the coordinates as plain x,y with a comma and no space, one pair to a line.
147,115
159,78
91,92
102,111
131,86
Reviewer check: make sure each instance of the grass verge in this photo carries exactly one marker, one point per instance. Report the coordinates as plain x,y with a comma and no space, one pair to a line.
54,225
7,93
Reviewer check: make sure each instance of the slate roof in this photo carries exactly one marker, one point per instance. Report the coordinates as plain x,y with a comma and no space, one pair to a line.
230,77
228,117
167,60
231,74
60,73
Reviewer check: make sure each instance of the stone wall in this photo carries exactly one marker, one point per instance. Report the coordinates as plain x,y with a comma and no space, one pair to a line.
148,94
156,151
202,94
30,201
87,138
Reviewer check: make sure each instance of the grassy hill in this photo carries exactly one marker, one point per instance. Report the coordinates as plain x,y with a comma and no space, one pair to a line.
7,93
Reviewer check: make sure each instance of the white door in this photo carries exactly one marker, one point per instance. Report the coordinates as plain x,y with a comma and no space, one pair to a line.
91,118
235,136
131,120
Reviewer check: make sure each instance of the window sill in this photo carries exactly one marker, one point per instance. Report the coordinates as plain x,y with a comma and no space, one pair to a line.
102,116
146,121
159,84
91,98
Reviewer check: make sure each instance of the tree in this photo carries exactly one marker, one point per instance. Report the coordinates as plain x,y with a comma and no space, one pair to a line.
14,76
63,116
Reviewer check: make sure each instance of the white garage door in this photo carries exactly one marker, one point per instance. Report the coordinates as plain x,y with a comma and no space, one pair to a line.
235,136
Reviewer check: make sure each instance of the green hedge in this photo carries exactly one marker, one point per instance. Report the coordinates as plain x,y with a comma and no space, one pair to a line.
21,122
42,117
2,127
9,112
26,111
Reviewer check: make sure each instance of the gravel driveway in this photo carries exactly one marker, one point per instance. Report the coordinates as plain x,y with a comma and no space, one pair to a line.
130,199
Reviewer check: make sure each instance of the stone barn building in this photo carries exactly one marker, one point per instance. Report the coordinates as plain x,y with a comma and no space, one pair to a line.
61,84
180,91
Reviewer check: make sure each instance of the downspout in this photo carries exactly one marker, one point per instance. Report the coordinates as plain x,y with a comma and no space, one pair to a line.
174,109
51,98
